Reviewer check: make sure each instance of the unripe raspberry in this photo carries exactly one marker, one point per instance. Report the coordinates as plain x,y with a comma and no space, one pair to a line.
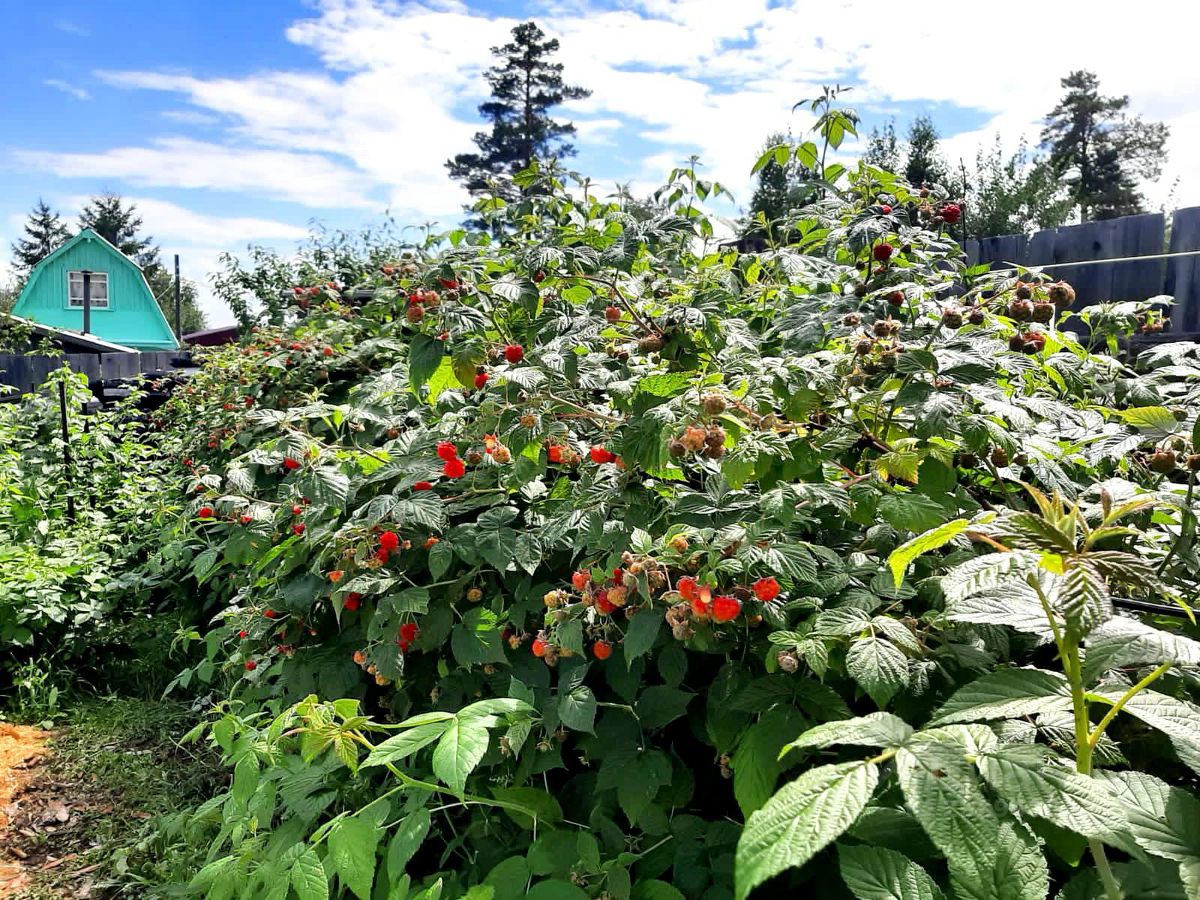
694,438
1043,312
474,595
1062,294
788,662
1163,461
1021,310
1024,291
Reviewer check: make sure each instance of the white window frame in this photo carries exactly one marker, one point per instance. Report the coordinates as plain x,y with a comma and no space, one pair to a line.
98,278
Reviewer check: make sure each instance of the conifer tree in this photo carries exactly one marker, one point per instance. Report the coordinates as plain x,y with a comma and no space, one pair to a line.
45,232
525,85
1100,150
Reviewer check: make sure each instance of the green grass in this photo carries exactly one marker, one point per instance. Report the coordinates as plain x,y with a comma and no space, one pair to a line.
118,766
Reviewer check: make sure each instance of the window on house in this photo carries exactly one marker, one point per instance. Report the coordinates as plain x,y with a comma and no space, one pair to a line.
98,290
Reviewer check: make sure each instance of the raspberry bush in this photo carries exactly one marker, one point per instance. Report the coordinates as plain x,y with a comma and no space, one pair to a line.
584,560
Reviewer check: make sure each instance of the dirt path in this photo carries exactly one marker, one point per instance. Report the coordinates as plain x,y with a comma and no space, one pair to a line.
22,749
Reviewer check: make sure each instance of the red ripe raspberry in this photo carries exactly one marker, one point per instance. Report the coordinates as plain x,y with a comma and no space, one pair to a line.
885,209
389,541
446,451
951,212
766,589
514,353
539,647
188,463
612,314
688,587
205,512
431,542
270,614
352,602
408,634
600,455
480,380
448,283
454,468
618,575
702,602
246,519
250,665
243,634
602,649
422,486
291,464
882,252
336,575
580,580
381,555
726,608
328,351
603,605
539,276
298,529
555,453
297,509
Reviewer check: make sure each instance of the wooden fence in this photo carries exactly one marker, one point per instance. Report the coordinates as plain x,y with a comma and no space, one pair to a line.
1115,239
23,373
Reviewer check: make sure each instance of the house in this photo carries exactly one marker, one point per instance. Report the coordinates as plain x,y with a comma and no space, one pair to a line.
123,310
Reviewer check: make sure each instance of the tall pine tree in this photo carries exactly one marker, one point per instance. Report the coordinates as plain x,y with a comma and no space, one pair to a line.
1100,150
923,162
119,223
525,87
45,232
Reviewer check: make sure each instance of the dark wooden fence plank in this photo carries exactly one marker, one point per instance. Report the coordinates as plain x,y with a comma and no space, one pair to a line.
1183,274
1139,236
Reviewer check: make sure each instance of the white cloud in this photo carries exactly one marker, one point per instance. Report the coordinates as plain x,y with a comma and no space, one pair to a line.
170,222
67,88
311,179
190,117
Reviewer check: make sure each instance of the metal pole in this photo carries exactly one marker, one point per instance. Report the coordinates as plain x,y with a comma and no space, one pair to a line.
178,302
66,438
87,301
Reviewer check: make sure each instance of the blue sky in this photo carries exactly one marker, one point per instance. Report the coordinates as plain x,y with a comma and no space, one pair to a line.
235,122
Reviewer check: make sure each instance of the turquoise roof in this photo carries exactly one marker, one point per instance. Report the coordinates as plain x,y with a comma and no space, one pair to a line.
131,318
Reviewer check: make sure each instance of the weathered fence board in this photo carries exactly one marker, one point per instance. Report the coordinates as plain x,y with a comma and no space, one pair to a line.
1183,273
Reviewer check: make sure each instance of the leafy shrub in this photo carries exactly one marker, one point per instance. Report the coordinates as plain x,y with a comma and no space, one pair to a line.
594,533
72,592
